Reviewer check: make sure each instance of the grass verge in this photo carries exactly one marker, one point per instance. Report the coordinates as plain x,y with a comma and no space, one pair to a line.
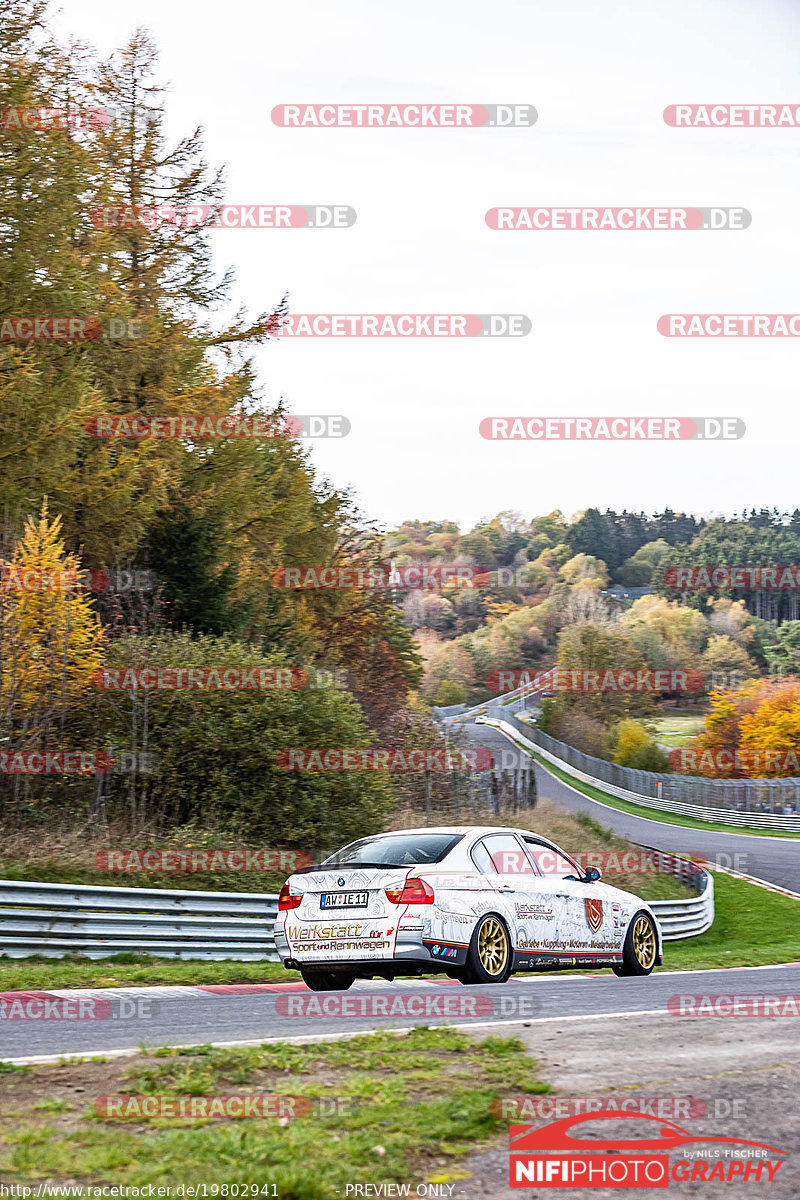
676,730
71,869
752,927
397,1109
131,970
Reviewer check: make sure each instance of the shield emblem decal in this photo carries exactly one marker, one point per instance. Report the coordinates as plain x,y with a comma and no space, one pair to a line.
594,913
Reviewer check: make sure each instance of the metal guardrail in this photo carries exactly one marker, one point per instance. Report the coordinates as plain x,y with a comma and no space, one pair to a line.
760,803
684,918
519,699
55,919
444,712
677,918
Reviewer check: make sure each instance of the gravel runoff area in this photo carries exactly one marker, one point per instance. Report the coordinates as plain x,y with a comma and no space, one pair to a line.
748,1066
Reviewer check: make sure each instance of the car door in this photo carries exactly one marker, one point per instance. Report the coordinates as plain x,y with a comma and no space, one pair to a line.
524,893
502,858
582,920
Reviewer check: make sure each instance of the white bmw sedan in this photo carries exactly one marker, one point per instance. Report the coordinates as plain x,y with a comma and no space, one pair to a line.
477,902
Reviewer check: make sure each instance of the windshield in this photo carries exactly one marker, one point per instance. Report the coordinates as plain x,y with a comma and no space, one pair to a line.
395,850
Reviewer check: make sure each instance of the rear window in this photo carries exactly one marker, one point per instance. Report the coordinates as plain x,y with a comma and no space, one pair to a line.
395,850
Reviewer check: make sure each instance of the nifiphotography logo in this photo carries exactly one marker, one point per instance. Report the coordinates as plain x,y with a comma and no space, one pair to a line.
553,1156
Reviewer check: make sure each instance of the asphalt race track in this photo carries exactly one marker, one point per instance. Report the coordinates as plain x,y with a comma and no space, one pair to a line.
124,1018
586,1033
772,859
107,1020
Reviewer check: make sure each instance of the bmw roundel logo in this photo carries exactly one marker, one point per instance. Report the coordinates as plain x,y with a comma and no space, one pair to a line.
340,881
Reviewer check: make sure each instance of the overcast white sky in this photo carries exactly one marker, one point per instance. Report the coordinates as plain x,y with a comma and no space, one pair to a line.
600,74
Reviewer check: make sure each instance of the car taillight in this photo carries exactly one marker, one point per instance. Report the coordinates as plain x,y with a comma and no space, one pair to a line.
413,891
287,900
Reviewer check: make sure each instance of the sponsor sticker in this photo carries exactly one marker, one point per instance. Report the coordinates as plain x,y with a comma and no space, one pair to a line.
593,911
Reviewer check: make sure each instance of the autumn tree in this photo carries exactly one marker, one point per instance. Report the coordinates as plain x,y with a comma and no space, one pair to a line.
760,717
588,647
634,747
50,640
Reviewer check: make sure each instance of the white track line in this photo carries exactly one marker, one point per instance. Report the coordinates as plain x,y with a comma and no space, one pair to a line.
302,1039
310,1038
188,992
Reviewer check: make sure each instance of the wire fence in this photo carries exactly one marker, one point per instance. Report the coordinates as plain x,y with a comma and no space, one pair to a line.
468,797
768,803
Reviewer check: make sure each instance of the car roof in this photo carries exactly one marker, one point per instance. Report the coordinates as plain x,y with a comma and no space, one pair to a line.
478,830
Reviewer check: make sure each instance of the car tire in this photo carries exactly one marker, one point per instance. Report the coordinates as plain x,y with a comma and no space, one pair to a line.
328,981
641,947
490,956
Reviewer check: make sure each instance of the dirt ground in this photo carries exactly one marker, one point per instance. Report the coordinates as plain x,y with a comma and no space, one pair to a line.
748,1070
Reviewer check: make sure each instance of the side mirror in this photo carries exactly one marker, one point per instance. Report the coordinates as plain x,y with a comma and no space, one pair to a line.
592,875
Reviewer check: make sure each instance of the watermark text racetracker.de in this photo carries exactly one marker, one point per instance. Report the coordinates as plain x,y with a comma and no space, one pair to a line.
379,577
616,679
751,116
631,218
729,325
77,762
191,427
751,763
200,679
188,860
421,1003
224,216
727,1004
411,115
530,1108
281,1107
352,758
17,578
27,119
404,325
611,429
47,1006
47,328
607,862
709,575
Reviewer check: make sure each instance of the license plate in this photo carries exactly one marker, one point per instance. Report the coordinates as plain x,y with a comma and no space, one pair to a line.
343,899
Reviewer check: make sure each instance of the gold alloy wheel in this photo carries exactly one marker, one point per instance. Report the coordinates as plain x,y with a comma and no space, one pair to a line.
644,942
493,947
